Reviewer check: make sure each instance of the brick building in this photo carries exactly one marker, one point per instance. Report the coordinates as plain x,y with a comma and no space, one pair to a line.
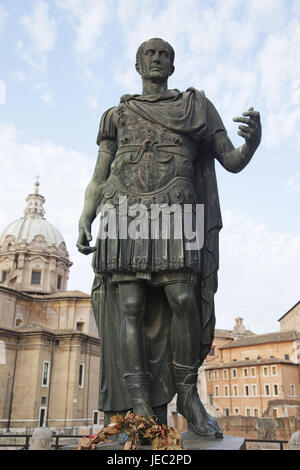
249,374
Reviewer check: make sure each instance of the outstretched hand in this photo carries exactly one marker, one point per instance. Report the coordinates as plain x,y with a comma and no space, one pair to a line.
84,238
251,132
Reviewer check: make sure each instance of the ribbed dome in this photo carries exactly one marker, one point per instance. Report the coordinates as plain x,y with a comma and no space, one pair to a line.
26,228
33,223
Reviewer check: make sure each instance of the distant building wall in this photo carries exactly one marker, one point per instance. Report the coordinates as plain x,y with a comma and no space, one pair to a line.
291,320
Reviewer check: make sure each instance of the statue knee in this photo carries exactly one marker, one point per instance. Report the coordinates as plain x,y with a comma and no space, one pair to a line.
131,307
182,301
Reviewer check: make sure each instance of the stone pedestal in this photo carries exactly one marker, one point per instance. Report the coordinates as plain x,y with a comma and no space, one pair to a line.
41,439
295,441
190,442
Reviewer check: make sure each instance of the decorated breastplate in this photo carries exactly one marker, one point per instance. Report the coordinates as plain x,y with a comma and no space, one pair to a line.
149,167
150,174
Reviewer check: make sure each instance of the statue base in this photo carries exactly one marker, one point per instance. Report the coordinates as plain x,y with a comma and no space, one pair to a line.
190,442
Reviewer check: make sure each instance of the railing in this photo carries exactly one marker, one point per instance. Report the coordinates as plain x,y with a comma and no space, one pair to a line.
25,444
268,441
57,437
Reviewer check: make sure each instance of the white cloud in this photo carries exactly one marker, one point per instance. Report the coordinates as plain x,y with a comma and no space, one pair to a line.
40,27
3,17
48,98
259,273
41,30
19,76
64,175
241,53
88,19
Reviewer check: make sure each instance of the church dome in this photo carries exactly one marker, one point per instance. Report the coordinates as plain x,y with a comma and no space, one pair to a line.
33,223
33,254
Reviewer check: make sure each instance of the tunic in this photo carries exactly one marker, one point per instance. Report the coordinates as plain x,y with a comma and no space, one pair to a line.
158,140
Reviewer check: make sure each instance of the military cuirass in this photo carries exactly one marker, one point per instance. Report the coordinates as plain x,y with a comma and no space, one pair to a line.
152,165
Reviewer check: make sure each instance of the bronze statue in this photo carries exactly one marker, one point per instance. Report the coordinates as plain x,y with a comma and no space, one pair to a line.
152,297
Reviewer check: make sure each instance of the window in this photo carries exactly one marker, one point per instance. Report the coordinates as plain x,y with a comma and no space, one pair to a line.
255,412
212,352
287,357
42,417
226,390
245,372
275,412
236,411
247,411
96,417
43,400
46,374
226,411
4,276
210,375
274,370
59,279
36,277
254,390
247,391
81,376
211,399
267,390
276,389
293,390
225,374
56,342
79,326
216,375
234,373
265,371
253,372
216,390
235,390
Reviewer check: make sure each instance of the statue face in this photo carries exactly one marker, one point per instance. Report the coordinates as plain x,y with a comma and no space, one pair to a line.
155,62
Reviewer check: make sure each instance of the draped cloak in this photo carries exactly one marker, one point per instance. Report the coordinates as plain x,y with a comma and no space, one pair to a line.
199,119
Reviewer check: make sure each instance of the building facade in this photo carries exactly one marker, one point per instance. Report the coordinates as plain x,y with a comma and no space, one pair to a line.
49,344
253,373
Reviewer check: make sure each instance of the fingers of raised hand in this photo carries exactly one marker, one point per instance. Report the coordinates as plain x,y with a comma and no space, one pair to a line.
244,120
254,115
244,134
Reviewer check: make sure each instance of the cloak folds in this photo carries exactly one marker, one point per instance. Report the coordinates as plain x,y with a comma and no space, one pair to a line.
201,121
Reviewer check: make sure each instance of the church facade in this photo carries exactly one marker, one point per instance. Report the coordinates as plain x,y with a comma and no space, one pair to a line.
49,344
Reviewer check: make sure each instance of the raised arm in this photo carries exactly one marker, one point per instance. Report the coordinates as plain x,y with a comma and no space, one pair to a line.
235,159
93,193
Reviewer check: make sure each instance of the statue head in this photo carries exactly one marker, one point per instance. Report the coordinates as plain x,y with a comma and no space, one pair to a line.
155,59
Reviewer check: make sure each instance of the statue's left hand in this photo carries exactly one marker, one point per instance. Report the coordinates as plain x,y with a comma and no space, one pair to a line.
251,132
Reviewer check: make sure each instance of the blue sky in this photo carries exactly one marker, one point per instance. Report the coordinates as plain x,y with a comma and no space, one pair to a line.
64,62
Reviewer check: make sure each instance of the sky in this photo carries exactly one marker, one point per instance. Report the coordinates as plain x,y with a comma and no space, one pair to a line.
64,62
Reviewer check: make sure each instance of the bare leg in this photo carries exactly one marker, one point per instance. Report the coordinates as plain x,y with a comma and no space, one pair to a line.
187,330
133,346
186,322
